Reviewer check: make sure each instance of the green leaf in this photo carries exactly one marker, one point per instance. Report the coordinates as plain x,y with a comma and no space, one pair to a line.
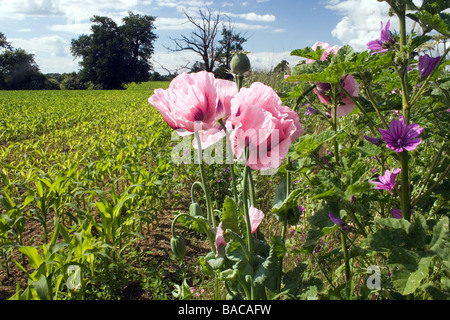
236,251
214,262
399,224
430,21
410,269
308,53
230,216
326,195
286,208
369,149
266,273
41,287
308,143
439,241
35,259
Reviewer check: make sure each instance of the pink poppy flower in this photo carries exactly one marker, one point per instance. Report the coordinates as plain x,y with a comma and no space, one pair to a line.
194,103
323,91
220,239
264,125
256,216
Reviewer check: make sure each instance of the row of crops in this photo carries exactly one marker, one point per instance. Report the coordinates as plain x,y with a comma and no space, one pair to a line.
81,173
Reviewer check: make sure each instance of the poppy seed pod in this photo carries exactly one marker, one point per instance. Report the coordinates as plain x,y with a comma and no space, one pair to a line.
240,63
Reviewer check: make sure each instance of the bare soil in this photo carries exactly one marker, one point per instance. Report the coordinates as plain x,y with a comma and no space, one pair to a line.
153,249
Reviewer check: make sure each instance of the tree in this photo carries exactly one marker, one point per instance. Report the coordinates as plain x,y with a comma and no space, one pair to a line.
137,31
203,40
282,67
114,55
230,42
18,69
4,44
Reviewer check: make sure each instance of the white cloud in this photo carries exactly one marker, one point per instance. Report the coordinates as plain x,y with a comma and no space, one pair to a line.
52,53
251,16
174,61
172,24
266,61
76,11
361,21
75,28
189,6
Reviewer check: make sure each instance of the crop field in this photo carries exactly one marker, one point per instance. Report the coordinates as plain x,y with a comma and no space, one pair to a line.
84,175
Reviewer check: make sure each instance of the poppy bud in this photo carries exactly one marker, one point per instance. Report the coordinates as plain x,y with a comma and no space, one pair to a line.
178,247
195,210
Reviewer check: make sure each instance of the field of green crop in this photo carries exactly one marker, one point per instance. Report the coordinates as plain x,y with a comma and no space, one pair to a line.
83,176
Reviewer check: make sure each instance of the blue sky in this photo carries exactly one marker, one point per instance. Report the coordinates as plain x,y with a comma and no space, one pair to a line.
273,27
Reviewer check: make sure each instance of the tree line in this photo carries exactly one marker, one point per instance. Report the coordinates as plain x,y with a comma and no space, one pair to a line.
113,55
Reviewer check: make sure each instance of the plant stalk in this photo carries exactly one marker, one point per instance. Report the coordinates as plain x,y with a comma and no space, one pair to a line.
404,191
247,219
346,257
210,212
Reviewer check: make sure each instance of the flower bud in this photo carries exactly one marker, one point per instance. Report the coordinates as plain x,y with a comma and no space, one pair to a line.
240,63
195,210
178,247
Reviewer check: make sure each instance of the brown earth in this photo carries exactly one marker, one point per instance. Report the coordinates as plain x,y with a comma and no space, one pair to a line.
153,249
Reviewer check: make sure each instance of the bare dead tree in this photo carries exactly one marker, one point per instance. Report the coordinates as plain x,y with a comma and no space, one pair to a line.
201,41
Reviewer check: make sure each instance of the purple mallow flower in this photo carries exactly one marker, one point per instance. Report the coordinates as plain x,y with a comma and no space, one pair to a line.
427,65
387,182
310,111
301,209
384,43
375,141
396,213
338,221
400,136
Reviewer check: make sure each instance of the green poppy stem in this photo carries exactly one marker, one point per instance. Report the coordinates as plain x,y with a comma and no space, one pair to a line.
209,210
231,163
247,219
284,228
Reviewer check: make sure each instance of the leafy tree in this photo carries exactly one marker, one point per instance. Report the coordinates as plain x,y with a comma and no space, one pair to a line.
18,70
229,43
4,44
113,55
71,81
283,66
137,31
